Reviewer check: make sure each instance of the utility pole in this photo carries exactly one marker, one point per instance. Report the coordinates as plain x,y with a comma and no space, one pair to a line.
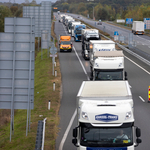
9,3
93,13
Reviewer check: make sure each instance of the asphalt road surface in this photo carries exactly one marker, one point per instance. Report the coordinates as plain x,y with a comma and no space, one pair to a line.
75,69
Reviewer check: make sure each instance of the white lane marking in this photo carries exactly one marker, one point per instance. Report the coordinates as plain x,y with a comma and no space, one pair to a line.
137,65
143,38
141,98
67,131
81,63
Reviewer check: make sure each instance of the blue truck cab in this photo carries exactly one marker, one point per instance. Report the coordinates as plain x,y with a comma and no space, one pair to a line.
77,32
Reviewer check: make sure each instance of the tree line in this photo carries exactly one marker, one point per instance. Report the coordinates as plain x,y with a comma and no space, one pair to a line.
107,11
15,10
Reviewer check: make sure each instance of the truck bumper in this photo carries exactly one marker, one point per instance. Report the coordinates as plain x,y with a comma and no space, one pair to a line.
65,50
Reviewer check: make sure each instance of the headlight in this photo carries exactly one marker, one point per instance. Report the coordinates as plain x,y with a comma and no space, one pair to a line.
84,115
86,55
128,115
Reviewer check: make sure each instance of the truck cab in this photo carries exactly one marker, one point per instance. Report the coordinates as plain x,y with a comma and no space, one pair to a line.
108,65
73,26
86,36
65,43
103,114
77,31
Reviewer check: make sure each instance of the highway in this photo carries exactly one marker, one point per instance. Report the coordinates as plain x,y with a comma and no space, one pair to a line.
141,42
75,69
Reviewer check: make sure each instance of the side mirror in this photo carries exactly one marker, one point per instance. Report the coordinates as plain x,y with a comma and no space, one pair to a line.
138,132
91,78
125,74
74,141
138,141
75,132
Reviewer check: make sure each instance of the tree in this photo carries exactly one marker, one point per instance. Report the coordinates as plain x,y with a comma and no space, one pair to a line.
13,9
4,12
19,13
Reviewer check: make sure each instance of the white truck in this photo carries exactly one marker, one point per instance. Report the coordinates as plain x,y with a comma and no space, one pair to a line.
61,16
69,26
104,111
73,27
67,22
108,65
58,12
138,27
66,19
86,35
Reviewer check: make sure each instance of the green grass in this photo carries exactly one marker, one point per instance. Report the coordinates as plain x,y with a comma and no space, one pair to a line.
43,91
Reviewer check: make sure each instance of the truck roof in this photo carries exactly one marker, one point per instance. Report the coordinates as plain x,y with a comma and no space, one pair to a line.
102,41
90,29
105,89
108,54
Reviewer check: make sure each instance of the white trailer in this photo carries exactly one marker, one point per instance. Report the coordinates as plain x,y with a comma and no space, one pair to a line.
104,111
101,45
108,65
138,27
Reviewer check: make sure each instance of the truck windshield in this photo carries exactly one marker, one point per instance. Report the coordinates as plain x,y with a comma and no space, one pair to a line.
65,43
78,31
109,74
106,137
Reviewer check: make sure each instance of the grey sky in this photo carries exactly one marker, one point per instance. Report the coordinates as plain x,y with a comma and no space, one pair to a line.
21,1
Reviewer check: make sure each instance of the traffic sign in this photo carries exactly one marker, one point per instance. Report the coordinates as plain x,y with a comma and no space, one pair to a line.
53,49
116,33
53,55
129,20
146,23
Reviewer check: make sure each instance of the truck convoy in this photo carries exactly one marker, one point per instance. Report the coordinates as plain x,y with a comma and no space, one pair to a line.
105,111
77,31
107,65
138,27
65,43
86,35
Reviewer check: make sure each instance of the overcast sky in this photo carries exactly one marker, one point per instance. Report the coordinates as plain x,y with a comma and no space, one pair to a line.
22,1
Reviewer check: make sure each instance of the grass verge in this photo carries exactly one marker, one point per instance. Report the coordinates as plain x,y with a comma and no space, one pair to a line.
43,92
